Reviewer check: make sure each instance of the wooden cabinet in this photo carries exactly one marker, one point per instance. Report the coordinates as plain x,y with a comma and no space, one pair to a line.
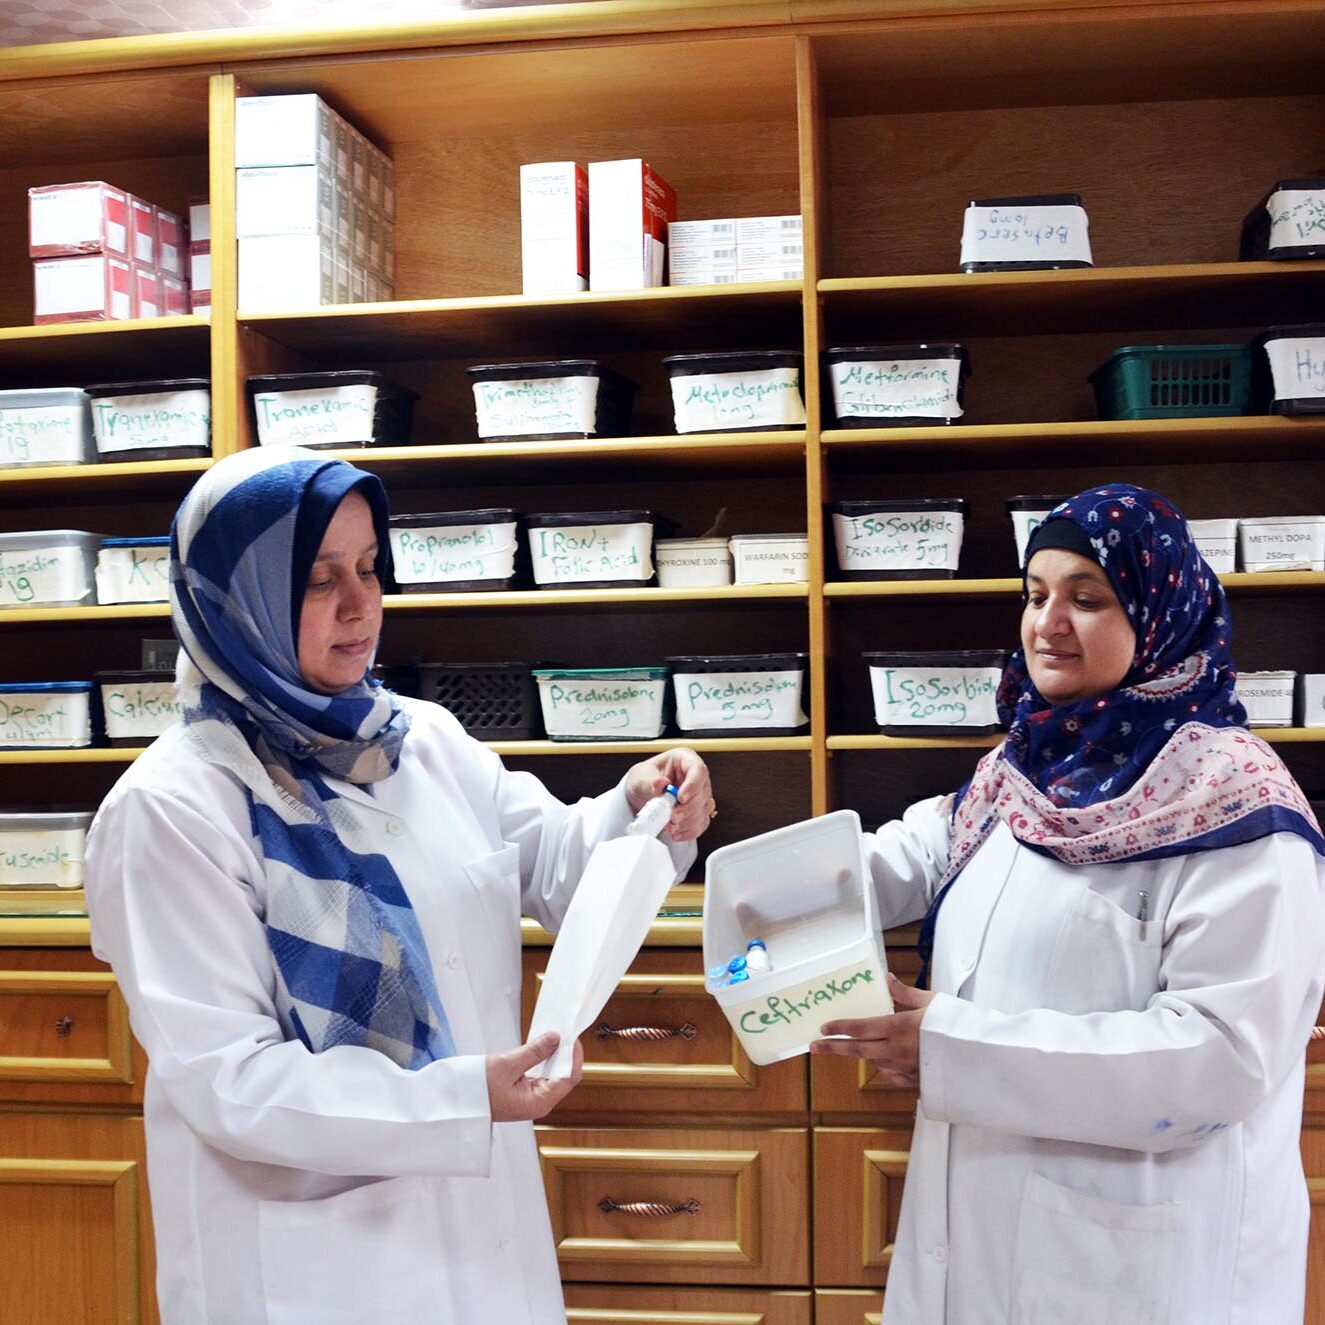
636,1305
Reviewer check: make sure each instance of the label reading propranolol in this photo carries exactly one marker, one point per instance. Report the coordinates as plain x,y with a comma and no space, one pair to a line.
438,553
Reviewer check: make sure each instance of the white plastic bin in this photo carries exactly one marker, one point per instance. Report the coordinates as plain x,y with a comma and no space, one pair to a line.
134,570
1311,699
805,891
1027,512
1217,541
905,539
47,427
136,707
770,558
1283,542
603,703
687,563
923,694
724,694
48,568
43,849
593,549
45,715
166,420
1267,697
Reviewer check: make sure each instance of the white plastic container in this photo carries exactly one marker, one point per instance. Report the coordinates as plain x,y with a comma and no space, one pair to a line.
165,420
455,550
725,694
45,715
1311,699
687,563
43,850
48,568
1267,697
592,549
917,694
603,703
137,706
917,538
1027,513
1218,543
1284,542
805,891
48,427
770,558
133,570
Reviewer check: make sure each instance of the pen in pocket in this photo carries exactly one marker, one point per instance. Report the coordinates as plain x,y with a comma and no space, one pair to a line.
1142,912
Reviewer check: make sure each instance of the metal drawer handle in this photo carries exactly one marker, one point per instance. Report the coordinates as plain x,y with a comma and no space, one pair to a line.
648,1209
641,1034
64,1027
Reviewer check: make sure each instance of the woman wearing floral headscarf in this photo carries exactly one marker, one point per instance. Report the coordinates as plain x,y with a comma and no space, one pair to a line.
310,891
1124,939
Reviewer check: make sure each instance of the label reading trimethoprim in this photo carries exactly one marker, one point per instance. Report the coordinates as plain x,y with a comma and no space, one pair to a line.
532,406
335,416
899,540
1297,365
765,398
896,388
441,553
738,700
47,435
44,858
935,696
1297,217
1052,233
30,577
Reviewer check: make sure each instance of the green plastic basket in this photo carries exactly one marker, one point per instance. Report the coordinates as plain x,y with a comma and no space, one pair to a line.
1174,382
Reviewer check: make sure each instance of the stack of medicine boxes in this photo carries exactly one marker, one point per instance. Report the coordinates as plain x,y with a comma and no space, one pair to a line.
315,207
736,249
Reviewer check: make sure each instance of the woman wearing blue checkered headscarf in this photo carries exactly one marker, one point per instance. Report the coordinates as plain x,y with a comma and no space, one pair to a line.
310,890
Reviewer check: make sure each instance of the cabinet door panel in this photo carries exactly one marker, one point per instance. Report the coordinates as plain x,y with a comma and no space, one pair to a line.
588,1304
1313,1160
1313,1106
835,1306
662,1044
63,1026
679,1206
858,1179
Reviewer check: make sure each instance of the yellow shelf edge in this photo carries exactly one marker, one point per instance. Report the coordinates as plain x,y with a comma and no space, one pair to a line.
1250,424
91,472
705,745
661,444
422,602
93,754
112,612
127,327
1236,581
1271,735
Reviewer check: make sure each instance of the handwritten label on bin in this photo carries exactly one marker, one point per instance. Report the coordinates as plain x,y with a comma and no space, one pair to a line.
133,574
811,1004
1297,366
1297,217
45,435
738,700
42,719
767,398
335,416
575,553
44,858
142,709
124,423
531,406
896,388
935,696
1051,233
441,553
592,707
32,576
899,540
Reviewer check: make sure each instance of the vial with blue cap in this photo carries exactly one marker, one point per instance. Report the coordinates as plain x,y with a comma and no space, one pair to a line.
652,819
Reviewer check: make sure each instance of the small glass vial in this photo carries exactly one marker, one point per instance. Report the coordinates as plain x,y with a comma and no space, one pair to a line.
756,957
652,819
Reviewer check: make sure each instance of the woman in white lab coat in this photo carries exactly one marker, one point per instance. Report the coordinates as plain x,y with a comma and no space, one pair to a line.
310,891
1124,927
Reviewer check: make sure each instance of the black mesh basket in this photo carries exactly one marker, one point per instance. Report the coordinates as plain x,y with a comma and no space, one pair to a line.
491,701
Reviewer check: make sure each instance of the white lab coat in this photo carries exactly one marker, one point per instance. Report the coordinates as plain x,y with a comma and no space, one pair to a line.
1109,1116
291,1188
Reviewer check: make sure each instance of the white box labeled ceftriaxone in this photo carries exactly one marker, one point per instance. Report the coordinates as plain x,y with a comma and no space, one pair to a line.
630,206
97,288
554,227
43,850
805,892
284,200
295,130
45,715
69,219
1285,542
1267,697
286,271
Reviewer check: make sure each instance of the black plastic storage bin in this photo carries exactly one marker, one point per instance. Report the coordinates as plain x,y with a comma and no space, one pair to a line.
1306,225
157,712
181,433
1028,200
461,558
929,506
745,664
745,406
919,392
585,563
958,658
491,701
1307,373
380,415
550,414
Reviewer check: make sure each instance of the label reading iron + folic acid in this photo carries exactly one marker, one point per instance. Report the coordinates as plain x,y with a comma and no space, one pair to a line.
571,553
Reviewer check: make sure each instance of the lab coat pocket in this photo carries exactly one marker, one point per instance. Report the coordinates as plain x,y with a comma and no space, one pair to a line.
371,1253
497,881
1106,959
1083,1260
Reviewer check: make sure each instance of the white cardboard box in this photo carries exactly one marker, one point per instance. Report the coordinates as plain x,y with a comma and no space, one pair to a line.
96,288
554,227
296,130
630,206
284,200
65,220
286,271
754,230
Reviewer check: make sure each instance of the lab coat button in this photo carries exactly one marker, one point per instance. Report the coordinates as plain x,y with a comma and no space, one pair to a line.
453,961
503,1244
940,1254
394,827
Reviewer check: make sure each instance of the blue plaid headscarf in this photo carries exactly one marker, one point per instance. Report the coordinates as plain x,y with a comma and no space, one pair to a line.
351,963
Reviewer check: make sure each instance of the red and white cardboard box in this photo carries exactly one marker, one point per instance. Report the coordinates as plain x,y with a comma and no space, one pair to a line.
175,301
200,272
146,291
92,288
142,232
630,206
554,227
65,220
171,246
200,221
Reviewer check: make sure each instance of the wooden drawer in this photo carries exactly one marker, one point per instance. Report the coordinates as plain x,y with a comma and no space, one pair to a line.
63,1026
702,1207
858,1178
846,1306
847,1086
1313,1107
662,1044
1313,1161
588,1304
